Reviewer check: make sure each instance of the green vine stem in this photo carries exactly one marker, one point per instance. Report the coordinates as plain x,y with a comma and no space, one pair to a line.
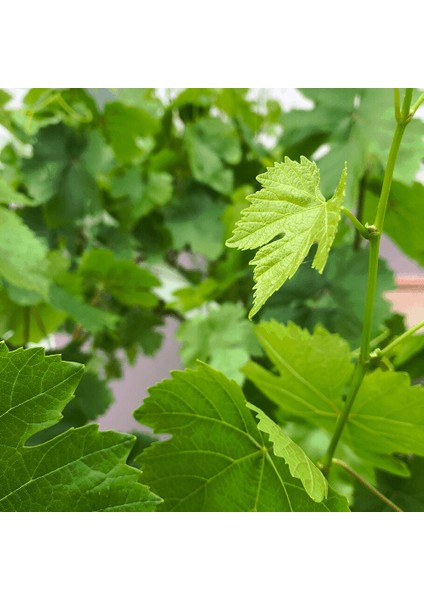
357,223
367,485
404,116
398,340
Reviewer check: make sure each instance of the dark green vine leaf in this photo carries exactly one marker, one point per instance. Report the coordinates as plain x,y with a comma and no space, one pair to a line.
289,205
217,458
313,372
79,470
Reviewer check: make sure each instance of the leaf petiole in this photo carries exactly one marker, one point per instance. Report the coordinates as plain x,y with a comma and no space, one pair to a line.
399,340
367,485
366,231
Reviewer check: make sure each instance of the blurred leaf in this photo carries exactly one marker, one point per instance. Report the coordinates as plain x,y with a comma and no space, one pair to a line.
121,278
22,254
194,221
210,144
136,197
223,337
124,125
335,299
9,196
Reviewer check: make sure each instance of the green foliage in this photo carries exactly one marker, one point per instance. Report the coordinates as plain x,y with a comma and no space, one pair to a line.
404,221
114,209
217,458
223,337
23,256
313,372
81,469
290,203
121,278
335,299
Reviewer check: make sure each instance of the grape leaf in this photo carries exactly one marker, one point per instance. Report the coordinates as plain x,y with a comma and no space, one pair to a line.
79,470
22,254
336,299
125,125
211,143
223,337
195,221
290,203
120,277
92,398
299,464
314,370
218,459
136,198
91,318
357,126
10,196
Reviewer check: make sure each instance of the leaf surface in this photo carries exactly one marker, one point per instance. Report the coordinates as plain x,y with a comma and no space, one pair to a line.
217,458
314,371
290,207
299,464
79,470
22,254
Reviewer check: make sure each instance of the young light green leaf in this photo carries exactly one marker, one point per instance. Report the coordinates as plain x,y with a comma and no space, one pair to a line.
299,464
79,470
289,205
217,458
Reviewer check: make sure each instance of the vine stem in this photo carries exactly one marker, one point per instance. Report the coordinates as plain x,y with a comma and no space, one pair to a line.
366,484
356,222
361,366
399,339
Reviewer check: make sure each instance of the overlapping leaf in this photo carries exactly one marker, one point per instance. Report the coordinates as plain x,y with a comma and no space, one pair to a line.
289,205
218,458
79,470
313,374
